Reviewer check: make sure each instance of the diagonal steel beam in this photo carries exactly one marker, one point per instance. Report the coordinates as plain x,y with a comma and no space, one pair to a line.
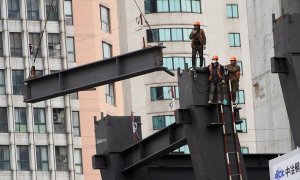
95,74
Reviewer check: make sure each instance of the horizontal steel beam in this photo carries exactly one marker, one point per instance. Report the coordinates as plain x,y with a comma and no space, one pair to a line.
154,147
95,74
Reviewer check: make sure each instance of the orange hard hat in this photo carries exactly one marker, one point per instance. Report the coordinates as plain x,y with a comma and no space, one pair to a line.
233,58
197,23
215,57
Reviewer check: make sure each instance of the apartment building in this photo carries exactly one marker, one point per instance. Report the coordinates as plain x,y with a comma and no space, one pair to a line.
226,26
53,139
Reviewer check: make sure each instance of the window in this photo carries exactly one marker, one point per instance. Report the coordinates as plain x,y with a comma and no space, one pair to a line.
173,63
15,44
76,123
4,158
105,19
160,122
54,45
183,150
42,158
13,9
52,6
39,120
39,73
240,63
59,120
70,49
78,161
23,158
156,6
32,10
234,40
232,11
1,44
242,128
68,12
168,34
34,39
163,93
18,78
3,120
107,50
61,158
2,82
21,120
240,97
245,150
110,93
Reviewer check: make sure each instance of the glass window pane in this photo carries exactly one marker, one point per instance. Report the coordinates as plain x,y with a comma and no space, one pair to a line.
237,40
167,92
105,19
177,35
174,5
107,50
196,6
186,34
229,11
186,5
231,40
158,122
240,97
70,49
240,63
162,6
168,63
235,11
164,35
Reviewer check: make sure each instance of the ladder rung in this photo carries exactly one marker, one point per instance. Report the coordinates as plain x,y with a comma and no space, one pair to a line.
235,175
232,152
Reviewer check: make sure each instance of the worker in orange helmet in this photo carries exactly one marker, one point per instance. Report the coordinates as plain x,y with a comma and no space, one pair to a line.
198,43
216,79
234,76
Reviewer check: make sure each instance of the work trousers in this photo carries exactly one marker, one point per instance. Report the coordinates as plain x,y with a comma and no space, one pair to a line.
234,89
195,50
213,88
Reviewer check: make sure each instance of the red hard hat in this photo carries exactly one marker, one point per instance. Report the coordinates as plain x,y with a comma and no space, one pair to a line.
233,58
215,57
197,23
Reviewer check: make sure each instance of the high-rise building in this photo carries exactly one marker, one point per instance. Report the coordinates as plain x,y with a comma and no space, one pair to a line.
272,132
226,26
53,139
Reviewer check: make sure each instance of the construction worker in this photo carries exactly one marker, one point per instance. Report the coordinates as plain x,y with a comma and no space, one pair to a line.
216,79
198,43
234,76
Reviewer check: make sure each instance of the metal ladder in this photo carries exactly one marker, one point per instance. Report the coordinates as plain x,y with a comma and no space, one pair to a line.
231,144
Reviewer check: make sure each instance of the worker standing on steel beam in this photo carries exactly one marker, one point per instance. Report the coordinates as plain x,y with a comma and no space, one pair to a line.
216,79
198,43
234,73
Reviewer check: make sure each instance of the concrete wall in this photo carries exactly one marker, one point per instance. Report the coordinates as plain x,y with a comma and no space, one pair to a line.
272,126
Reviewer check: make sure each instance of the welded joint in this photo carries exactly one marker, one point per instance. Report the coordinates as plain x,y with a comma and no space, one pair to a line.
182,116
279,65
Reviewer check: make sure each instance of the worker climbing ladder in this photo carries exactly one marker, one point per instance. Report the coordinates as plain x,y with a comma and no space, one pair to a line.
231,145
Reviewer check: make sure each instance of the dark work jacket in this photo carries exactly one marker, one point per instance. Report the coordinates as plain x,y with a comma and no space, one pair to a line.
215,77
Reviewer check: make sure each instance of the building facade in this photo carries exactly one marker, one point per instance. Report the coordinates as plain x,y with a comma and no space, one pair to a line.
53,139
271,121
171,21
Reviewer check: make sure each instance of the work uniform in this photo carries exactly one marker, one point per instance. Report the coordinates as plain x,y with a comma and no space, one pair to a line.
234,76
198,41
216,76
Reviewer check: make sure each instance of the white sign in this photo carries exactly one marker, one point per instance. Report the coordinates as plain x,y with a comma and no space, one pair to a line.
286,167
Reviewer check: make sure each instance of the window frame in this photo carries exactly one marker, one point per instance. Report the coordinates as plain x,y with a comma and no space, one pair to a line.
240,63
105,23
234,40
4,163
231,10
2,82
17,86
71,51
110,94
105,44
52,16
11,9
34,39
1,44
164,121
162,96
152,6
244,148
15,50
157,33
62,164
20,123
21,161
39,160
3,120
31,10
78,164
68,17
54,53
238,97
75,126
59,125
37,122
